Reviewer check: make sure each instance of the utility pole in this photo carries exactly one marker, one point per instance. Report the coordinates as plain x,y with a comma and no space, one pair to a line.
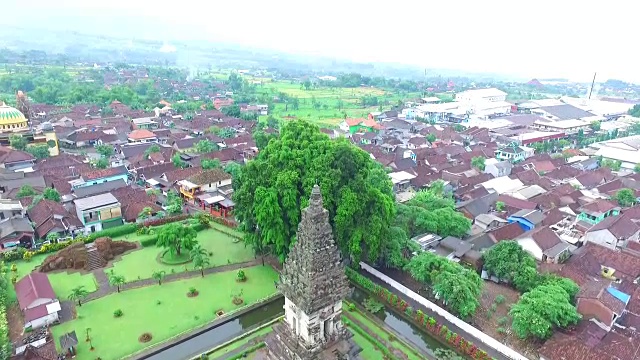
592,84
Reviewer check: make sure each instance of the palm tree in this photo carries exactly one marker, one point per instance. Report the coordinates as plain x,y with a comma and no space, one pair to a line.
116,280
159,275
200,258
201,262
77,294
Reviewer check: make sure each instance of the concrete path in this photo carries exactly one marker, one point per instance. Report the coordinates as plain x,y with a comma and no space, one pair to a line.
105,289
495,348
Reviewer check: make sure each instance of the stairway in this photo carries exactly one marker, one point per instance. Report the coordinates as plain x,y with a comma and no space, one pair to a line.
94,259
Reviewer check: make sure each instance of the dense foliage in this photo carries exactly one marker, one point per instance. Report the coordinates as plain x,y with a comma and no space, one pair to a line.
177,237
431,211
506,259
541,310
458,286
272,189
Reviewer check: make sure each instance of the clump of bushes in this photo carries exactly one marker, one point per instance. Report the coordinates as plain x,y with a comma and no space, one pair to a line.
241,277
193,292
118,313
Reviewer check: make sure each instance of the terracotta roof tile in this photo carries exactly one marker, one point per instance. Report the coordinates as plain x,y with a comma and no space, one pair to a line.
507,232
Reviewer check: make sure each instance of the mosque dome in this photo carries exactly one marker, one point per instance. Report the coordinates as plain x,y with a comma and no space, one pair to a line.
11,118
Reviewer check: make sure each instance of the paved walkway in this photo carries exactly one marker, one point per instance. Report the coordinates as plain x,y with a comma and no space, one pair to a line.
493,347
105,289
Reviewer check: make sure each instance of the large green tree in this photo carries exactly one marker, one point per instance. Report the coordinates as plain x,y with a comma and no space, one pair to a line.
457,286
177,237
541,310
272,189
17,142
51,194
40,151
430,211
506,259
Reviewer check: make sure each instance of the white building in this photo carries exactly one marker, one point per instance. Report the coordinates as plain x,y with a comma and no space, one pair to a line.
481,95
626,150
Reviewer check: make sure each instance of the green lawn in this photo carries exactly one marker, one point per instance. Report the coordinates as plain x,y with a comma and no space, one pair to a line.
143,262
114,338
61,281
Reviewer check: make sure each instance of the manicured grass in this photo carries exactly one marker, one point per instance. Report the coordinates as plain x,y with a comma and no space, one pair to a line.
114,338
143,262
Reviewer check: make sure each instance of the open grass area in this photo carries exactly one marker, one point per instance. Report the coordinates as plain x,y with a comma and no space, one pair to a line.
224,249
114,338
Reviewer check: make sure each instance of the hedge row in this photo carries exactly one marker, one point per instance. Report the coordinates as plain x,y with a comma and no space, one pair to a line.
166,220
427,322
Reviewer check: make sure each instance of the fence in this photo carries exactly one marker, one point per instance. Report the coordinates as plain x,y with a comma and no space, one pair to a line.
487,340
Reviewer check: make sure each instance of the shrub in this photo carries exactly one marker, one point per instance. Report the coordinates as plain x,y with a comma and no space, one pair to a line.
13,255
14,267
118,313
121,230
500,299
193,291
373,306
149,242
351,307
501,330
503,320
27,256
494,307
241,275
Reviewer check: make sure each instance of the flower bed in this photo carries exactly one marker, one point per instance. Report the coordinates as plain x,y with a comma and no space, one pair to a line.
429,323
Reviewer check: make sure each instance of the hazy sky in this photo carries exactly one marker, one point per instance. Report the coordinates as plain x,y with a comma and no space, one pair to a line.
542,38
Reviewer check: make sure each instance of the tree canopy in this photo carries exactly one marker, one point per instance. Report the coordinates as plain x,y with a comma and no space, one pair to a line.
104,150
506,259
17,142
541,310
26,191
272,189
431,211
51,194
177,237
625,197
458,286
39,151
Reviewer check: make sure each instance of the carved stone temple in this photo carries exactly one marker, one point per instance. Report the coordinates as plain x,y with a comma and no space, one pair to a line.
314,284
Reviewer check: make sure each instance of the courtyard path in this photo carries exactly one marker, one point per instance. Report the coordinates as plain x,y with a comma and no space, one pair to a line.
105,289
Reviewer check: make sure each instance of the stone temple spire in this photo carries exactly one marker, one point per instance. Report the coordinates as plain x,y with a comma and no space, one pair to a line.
313,275
314,284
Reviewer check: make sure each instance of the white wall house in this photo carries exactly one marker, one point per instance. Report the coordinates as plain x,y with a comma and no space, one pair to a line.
481,95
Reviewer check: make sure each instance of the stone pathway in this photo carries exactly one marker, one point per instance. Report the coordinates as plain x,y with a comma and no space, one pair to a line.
105,289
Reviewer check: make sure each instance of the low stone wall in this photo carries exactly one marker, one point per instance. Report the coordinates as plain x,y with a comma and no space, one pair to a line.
487,340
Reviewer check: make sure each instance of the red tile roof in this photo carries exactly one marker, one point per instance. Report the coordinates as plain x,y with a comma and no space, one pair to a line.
598,207
517,203
506,232
104,173
141,134
32,287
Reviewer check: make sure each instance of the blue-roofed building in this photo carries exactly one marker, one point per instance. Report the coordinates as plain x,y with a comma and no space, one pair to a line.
619,295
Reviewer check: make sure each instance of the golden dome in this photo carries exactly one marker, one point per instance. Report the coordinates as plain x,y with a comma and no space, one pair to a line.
11,116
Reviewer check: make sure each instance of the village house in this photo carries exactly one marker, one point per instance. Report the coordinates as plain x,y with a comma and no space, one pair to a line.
37,300
52,217
16,160
596,211
101,176
614,232
545,245
98,212
142,136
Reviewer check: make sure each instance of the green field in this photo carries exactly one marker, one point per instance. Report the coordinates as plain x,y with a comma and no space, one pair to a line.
326,106
114,338
140,264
